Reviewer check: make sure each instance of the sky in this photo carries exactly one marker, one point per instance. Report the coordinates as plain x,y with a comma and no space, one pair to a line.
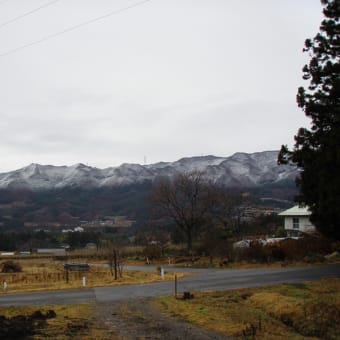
108,82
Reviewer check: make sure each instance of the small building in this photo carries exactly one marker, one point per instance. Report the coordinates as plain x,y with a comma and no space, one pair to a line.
297,221
91,246
7,253
53,251
77,266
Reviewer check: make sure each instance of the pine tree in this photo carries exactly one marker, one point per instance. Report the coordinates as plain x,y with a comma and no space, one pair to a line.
317,150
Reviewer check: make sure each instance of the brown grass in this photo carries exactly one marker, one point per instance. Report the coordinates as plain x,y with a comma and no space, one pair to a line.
73,321
47,274
301,311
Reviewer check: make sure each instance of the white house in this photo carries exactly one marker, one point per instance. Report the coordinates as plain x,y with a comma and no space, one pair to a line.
297,221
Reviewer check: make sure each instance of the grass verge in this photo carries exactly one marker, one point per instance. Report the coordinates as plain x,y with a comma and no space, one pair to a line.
288,311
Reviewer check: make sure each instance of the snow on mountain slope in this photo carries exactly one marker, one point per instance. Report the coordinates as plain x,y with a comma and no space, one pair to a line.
126,174
240,169
253,169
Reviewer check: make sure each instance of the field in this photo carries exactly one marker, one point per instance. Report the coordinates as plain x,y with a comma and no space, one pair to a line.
300,311
47,273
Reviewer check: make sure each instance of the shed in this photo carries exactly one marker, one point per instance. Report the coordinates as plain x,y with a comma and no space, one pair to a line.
76,266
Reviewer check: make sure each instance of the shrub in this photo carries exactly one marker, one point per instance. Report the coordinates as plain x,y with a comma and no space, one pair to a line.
153,251
255,252
322,317
335,246
10,267
275,252
309,249
280,232
305,247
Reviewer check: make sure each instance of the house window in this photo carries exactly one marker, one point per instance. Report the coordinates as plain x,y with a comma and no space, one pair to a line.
296,223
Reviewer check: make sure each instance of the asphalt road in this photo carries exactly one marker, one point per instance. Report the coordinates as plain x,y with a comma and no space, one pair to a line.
204,279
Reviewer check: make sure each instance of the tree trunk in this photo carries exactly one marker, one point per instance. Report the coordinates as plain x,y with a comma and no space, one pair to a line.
189,241
115,264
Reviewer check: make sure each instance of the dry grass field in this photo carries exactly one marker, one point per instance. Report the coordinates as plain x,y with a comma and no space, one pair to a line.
47,273
295,311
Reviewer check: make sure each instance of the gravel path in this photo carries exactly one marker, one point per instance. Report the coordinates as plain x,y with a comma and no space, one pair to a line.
137,319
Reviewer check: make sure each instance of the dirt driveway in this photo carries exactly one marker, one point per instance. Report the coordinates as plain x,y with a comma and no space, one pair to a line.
137,319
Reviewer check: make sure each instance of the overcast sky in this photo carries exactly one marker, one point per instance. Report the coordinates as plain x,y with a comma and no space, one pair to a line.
159,81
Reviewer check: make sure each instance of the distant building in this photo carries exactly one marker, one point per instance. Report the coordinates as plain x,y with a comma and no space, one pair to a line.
54,251
7,253
91,246
297,221
75,230
109,221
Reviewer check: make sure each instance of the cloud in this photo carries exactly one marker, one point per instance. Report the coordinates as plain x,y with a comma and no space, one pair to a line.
164,80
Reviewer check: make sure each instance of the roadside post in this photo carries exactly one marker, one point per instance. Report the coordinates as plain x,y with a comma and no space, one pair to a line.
175,286
84,281
162,273
5,286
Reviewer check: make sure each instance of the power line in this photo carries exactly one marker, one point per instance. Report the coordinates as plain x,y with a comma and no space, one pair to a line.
72,28
27,13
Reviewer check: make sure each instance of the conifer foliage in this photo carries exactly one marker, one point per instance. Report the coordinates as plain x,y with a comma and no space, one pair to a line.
317,150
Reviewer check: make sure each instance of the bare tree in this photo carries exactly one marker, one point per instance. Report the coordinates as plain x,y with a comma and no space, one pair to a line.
190,200
227,210
224,224
114,261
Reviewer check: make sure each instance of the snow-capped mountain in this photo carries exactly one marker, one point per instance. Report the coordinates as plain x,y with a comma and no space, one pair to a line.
240,169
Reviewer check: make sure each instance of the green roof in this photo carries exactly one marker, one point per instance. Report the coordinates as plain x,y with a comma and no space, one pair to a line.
296,211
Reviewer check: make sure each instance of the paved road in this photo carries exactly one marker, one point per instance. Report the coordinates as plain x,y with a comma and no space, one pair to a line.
205,279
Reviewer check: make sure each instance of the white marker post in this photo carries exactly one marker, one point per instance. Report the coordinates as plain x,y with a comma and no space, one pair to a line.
162,273
5,286
84,281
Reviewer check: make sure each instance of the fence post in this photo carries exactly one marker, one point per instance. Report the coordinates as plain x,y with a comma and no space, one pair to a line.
66,272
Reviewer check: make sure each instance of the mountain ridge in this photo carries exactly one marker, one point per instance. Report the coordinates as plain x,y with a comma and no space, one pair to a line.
240,169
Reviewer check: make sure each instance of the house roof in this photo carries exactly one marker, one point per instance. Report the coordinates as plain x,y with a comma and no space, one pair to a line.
296,211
